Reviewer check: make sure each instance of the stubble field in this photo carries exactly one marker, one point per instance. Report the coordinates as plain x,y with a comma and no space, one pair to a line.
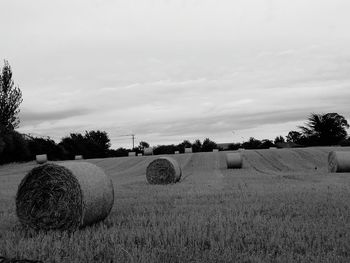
282,206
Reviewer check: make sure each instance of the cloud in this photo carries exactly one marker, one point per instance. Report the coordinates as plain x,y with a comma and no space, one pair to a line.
29,117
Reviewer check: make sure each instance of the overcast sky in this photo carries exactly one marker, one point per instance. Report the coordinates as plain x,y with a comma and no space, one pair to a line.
169,70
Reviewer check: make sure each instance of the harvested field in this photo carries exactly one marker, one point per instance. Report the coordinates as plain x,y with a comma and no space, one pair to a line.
282,206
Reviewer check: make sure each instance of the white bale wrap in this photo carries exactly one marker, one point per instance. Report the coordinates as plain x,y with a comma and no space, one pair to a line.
164,170
148,151
339,162
188,150
234,160
41,158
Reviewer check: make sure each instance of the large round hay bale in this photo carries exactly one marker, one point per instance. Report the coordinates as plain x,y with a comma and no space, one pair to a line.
64,197
148,151
78,157
339,162
132,154
163,170
41,158
188,150
234,160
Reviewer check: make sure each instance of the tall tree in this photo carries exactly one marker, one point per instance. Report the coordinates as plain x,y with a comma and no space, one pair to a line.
143,145
325,129
10,99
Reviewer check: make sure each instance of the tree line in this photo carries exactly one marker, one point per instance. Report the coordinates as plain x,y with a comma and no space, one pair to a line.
319,130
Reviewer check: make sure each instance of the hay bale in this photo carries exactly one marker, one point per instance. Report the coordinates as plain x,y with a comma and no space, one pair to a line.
139,154
78,157
234,160
339,162
188,150
132,154
148,151
272,147
176,152
215,150
41,158
164,170
64,197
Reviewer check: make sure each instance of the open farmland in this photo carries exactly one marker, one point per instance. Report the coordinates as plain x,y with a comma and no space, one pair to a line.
282,206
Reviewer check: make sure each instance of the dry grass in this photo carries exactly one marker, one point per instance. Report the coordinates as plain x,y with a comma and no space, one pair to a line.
278,208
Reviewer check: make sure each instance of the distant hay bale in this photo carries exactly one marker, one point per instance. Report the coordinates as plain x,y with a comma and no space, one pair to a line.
233,160
215,150
148,151
241,149
132,154
139,154
164,170
188,150
41,158
176,152
64,197
272,147
339,162
78,157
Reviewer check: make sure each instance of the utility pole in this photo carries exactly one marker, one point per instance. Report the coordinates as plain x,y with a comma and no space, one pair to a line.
132,137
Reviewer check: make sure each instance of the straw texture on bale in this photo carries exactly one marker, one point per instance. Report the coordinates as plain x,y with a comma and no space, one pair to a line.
41,158
132,154
234,160
64,197
78,157
164,170
339,162
148,151
188,150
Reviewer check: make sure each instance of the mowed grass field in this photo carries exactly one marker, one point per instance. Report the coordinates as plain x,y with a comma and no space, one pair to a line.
282,206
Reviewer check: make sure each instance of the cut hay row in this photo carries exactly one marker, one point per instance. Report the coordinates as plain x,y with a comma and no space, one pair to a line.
234,160
164,170
339,162
41,158
64,197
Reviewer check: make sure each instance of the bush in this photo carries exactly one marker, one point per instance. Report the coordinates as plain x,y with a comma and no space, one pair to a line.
208,145
14,147
45,146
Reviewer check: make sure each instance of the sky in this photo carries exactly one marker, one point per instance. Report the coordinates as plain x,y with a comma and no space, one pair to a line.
170,70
